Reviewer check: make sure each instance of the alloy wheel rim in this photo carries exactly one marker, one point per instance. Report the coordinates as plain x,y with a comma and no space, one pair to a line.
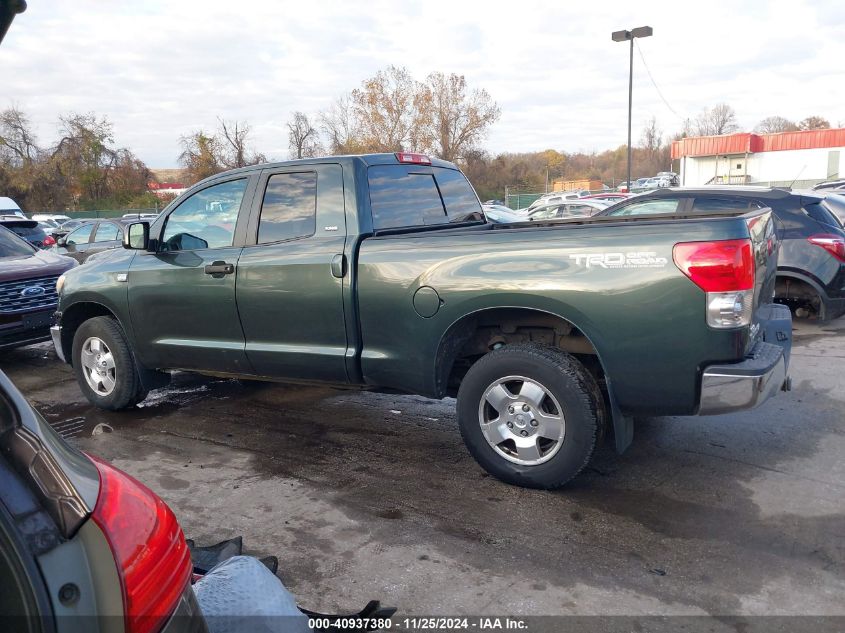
98,367
521,420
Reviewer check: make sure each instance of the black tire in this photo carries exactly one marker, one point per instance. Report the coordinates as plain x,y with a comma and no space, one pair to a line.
127,390
566,380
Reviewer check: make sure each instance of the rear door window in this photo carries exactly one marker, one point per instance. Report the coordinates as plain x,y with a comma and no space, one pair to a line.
289,208
409,196
649,207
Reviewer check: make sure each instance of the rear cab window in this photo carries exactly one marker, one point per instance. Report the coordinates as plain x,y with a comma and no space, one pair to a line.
405,196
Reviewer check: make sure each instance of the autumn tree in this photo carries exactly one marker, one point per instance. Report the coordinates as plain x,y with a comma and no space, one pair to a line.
814,123
720,119
303,137
775,124
201,155
458,118
388,113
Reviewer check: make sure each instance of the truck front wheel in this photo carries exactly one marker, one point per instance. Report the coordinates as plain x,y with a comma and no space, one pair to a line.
104,365
529,414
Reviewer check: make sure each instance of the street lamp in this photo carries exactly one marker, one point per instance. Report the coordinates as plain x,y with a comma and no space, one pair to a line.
624,36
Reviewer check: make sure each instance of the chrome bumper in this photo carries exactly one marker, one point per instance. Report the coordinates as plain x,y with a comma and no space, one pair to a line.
745,385
56,333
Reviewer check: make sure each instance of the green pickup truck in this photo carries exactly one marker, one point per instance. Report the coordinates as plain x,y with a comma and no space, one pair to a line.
381,271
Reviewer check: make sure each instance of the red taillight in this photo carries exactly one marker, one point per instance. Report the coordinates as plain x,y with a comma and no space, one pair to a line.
414,159
833,244
149,548
49,241
720,266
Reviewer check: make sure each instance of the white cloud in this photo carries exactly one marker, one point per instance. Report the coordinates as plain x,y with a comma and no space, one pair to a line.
162,69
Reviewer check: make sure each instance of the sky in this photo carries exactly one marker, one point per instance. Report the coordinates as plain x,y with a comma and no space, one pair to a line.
161,69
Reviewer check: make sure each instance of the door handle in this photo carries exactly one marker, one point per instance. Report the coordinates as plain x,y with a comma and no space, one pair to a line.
219,269
338,265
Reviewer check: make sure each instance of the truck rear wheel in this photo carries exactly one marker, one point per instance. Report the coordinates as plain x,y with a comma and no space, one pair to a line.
104,366
530,414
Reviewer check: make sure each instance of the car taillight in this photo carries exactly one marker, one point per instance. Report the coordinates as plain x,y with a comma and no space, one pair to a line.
414,159
724,270
49,241
833,244
153,560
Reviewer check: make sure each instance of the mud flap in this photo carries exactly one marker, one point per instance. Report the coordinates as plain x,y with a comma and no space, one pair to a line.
623,426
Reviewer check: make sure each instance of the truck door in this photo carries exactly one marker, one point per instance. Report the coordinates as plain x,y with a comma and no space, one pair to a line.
182,296
291,274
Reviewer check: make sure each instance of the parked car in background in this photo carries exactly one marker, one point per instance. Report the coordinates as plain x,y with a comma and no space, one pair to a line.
811,266
582,208
66,227
27,290
499,214
57,218
554,197
30,230
10,207
671,176
607,197
93,237
140,216
498,203
831,185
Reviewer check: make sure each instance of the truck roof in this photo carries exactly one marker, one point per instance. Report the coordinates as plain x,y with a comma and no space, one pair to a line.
366,159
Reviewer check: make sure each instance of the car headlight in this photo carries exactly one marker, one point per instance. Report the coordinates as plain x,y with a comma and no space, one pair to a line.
60,282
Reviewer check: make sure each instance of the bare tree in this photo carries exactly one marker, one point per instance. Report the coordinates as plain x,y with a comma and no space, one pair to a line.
651,139
458,119
775,124
338,124
303,137
235,151
720,119
17,141
814,123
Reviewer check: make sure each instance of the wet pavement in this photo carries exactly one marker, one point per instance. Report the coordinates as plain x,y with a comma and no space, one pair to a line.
364,495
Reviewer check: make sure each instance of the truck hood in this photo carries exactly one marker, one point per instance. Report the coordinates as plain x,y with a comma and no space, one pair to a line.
39,264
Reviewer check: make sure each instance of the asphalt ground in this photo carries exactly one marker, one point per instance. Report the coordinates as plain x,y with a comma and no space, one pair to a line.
364,495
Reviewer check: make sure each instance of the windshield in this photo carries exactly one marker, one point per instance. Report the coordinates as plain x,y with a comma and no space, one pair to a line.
13,246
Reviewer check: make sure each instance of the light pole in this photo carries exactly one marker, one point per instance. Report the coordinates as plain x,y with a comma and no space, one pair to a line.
624,36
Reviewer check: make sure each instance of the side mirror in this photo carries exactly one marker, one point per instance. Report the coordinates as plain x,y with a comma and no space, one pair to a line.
136,236
62,241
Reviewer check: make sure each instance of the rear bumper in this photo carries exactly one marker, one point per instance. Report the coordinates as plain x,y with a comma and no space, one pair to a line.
747,384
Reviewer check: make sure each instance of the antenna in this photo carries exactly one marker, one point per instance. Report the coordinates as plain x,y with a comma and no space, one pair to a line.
798,174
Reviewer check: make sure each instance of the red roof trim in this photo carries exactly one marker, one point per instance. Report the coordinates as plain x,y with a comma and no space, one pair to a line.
750,143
